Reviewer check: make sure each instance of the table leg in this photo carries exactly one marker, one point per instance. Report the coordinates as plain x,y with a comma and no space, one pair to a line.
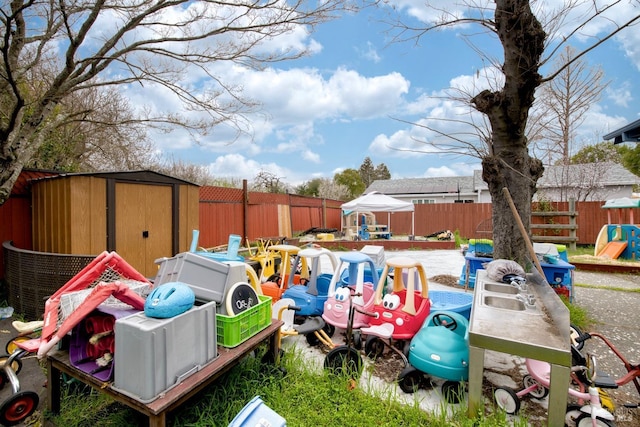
476,368
158,420
53,388
558,385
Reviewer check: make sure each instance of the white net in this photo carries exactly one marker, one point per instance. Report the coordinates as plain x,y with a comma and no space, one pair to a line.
70,301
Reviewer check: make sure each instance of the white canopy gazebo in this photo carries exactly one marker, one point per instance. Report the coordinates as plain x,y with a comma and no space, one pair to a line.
378,202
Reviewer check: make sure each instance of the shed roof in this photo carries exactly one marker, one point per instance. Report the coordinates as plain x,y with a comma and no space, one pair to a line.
628,133
141,176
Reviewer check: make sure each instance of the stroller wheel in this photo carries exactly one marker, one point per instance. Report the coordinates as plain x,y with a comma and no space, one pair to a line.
18,407
16,365
539,392
507,400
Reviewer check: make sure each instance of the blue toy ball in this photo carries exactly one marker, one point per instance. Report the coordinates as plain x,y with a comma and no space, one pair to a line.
169,300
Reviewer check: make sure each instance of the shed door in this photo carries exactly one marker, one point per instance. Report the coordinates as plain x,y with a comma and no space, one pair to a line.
143,225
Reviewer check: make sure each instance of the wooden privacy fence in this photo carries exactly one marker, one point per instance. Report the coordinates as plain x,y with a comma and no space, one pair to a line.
225,211
253,215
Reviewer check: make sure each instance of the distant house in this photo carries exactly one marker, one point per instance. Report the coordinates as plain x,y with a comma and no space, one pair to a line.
451,189
588,182
628,133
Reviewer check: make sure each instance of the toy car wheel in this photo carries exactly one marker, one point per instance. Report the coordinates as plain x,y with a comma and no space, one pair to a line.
357,340
453,391
329,329
507,400
540,392
16,365
373,347
12,343
268,357
344,360
312,339
585,420
573,334
18,407
410,379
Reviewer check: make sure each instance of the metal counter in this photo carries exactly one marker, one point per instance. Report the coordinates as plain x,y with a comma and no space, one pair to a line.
504,322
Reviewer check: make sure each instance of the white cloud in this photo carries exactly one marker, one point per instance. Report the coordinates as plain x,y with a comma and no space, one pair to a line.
621,95
441,171
371,53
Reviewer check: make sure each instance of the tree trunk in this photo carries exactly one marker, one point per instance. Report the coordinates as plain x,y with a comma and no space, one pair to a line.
508,163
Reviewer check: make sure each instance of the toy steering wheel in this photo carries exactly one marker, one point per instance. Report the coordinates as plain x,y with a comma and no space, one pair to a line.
443,319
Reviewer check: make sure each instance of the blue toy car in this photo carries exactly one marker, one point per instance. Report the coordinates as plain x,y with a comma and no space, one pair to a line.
439,349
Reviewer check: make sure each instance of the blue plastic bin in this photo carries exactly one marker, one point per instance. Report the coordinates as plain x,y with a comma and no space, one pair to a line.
257,414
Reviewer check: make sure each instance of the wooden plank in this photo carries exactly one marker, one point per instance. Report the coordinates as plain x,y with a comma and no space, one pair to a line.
157,409
554,226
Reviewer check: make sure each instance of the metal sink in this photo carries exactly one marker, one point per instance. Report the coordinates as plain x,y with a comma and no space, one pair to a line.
504,303
503,289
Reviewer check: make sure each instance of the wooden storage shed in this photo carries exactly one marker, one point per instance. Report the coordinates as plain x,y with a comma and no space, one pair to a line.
142,215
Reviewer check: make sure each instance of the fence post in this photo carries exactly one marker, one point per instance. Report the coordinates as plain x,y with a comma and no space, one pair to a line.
573,232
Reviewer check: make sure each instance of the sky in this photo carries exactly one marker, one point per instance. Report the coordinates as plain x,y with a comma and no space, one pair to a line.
358,95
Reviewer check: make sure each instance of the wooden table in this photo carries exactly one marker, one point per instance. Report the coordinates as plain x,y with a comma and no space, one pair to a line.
156,410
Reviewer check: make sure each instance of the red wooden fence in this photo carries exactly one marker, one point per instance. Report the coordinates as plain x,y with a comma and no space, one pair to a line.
253,215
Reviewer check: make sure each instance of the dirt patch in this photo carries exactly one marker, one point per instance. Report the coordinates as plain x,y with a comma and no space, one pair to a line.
446,280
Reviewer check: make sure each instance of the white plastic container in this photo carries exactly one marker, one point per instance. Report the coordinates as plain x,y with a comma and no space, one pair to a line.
153,355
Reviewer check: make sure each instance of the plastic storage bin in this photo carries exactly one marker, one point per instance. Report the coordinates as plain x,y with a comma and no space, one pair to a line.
376,253
234,330
153,355
209,279
257,414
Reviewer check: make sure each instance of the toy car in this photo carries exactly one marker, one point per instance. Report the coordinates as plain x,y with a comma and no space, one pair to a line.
439,349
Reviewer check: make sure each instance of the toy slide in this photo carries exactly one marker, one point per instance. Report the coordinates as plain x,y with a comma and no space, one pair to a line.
612,250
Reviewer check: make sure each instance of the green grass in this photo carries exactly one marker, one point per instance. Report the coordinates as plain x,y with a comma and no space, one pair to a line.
303,397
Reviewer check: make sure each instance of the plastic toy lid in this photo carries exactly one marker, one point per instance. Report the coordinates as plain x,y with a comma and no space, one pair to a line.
240,297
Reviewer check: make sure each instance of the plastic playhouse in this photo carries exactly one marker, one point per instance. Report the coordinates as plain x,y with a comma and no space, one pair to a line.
362,226
619,239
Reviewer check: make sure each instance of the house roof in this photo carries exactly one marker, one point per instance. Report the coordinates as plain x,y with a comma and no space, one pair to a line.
609,173
628,133
436,185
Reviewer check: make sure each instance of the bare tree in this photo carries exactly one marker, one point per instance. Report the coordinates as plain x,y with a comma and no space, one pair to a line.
100,133
526,46
330,189
268,182
564,103
107,43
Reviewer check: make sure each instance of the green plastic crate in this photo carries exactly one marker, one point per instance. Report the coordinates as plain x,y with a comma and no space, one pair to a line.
234,330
